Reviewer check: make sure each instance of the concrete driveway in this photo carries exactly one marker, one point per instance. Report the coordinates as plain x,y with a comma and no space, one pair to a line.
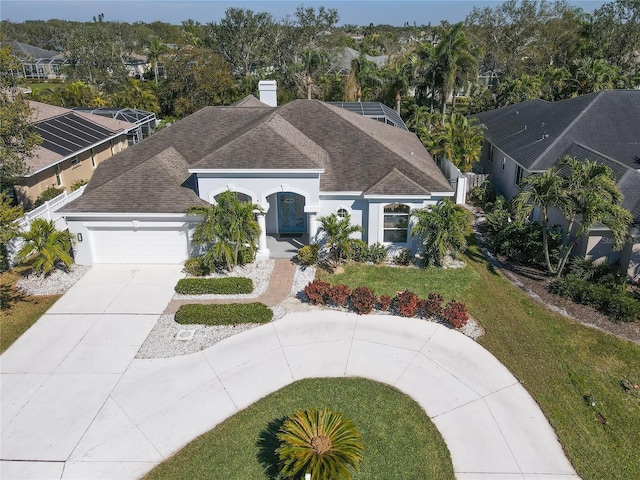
77,405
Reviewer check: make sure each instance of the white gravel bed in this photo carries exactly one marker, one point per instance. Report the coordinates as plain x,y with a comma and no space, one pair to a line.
259,272
56,283
302,277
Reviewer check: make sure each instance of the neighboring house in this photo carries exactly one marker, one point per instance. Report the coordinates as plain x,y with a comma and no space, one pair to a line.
299,161
529,137
37,62
74,144
341,62
146,121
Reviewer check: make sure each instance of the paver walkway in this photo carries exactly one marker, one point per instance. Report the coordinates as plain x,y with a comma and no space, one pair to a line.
277,291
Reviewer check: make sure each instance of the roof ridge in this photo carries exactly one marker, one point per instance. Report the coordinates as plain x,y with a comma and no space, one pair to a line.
269,124
395,171
561,134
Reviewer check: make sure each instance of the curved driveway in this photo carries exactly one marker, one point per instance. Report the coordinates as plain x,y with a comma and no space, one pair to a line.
77,405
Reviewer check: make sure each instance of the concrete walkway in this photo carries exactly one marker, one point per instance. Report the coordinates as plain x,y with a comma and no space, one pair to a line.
77,405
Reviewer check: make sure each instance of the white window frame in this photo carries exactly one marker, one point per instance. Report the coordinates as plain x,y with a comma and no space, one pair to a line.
385,229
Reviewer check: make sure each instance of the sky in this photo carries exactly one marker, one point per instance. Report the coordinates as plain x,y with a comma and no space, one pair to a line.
356,12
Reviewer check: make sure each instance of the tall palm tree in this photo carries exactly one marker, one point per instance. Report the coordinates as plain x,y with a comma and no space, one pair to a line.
586,193
228,228
594,75
321,443
540,193
155,50
338,231
453,58
442,229
45,247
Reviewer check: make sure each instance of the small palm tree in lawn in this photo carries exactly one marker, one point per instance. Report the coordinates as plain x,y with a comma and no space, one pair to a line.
45,247
319,442
229,228
338,231
442,229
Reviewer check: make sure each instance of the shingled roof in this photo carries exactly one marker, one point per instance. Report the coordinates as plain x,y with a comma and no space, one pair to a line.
353,152
602,126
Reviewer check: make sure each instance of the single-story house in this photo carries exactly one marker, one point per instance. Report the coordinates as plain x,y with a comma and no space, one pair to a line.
73,144
298,161
529,137
37,62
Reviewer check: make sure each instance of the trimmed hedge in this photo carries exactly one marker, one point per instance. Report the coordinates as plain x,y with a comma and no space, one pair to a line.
223,314
619,307
221,286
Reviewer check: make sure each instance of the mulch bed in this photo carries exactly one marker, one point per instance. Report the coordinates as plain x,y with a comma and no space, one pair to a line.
536,283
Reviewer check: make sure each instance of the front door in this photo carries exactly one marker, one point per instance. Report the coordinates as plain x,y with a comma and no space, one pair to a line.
291,216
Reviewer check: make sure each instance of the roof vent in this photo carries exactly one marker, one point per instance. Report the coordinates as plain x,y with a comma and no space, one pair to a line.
517,112
545,136
411,152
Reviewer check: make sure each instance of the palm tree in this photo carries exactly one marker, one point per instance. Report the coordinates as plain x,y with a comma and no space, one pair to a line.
229,228
459,139
400,76
338,231
586,193
364,79
594,75
154,51
45,247
319,442
442,229
135,94
453,60
541,193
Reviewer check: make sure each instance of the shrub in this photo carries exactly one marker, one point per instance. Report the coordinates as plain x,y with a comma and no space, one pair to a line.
317,292
308,255
377,253
359,251
48,194
622,308
223,314
196,267
404,257
339,295
432,306
407,303
455,314
78,183
246,255
384,302
222,286
362,300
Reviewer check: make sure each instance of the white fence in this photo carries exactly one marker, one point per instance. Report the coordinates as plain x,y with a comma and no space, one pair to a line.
47,211
462,183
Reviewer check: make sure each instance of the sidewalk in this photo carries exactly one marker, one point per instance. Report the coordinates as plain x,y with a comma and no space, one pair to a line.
277,291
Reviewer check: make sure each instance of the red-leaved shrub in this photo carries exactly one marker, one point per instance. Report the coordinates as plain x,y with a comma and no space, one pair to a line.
339,294
362,300
384,302
455,314
407,303
317,292
432,306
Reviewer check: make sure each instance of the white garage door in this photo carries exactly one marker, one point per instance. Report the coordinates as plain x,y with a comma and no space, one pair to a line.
152,245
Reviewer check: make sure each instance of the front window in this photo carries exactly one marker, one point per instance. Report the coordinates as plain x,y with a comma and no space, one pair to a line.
241,197
519,172
396,223
342,212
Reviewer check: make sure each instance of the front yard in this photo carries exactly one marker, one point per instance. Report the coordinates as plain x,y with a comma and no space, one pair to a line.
18,312
564,365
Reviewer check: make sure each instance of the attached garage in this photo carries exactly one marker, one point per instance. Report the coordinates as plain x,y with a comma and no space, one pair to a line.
151,239
148,245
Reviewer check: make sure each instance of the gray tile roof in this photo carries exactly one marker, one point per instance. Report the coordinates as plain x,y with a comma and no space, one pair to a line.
356,153
394,182
602,126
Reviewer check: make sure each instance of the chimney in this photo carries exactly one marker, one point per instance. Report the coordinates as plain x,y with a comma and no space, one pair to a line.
268,92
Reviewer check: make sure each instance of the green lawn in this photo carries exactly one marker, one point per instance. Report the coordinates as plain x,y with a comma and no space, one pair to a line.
560,362
17,312
399,439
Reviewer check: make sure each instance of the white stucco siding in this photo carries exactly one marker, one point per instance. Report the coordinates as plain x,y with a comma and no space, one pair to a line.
357,207
260,185
133,240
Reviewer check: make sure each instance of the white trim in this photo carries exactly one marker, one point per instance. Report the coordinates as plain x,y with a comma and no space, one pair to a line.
232,188
275,171
393,198
129,215
341,194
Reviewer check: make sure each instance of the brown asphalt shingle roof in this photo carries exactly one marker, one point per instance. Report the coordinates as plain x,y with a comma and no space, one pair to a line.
356,153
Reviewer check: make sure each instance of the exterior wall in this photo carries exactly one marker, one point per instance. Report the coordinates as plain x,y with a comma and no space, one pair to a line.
502,169
80,228
357,207
30,188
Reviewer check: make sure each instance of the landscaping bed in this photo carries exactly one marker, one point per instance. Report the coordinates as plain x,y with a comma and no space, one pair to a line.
215,286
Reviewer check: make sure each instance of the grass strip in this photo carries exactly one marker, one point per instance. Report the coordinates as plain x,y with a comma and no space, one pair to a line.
223,314
221,286
399,439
